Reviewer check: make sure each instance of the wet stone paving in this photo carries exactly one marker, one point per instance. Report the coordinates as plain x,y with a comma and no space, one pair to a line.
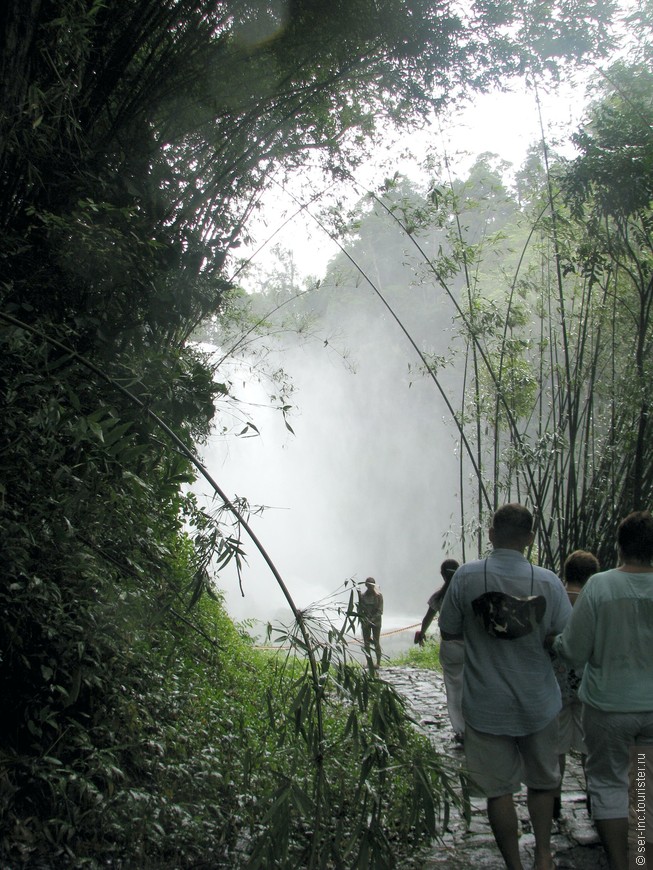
575,842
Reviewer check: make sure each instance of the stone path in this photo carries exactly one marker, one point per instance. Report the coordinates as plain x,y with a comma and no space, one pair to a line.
575,842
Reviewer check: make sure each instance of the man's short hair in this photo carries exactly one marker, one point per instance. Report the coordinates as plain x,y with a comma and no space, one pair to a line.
579,567
512,523
635,536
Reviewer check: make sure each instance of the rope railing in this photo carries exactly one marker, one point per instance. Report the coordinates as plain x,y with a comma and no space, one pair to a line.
399,630
354,639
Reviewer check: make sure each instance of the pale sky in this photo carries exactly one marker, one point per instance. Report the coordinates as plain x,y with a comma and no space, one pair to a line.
504,123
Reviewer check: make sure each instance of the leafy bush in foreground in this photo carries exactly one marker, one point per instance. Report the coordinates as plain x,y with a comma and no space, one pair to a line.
186,747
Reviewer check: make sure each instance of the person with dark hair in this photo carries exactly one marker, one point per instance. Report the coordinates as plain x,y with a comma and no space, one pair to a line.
610,634
452,653
370,614
504,607
578,568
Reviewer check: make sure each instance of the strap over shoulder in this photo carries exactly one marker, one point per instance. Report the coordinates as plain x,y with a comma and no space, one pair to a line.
508,617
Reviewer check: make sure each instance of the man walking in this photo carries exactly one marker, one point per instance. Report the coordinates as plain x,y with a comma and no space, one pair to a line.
370,613
504,607
610,637
451,654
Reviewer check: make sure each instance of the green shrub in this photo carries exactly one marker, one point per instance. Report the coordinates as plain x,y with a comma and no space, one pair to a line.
427,656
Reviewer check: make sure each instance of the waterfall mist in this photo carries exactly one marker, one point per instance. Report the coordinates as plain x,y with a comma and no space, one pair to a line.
367,485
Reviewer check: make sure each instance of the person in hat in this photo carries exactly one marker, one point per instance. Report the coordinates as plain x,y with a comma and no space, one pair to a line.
370,614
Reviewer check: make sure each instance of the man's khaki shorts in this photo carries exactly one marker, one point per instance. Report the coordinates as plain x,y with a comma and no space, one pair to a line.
498,764
609,737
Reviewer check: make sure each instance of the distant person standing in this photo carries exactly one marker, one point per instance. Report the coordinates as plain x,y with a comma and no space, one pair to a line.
610,634
578,568
503,607
370,614
452,653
